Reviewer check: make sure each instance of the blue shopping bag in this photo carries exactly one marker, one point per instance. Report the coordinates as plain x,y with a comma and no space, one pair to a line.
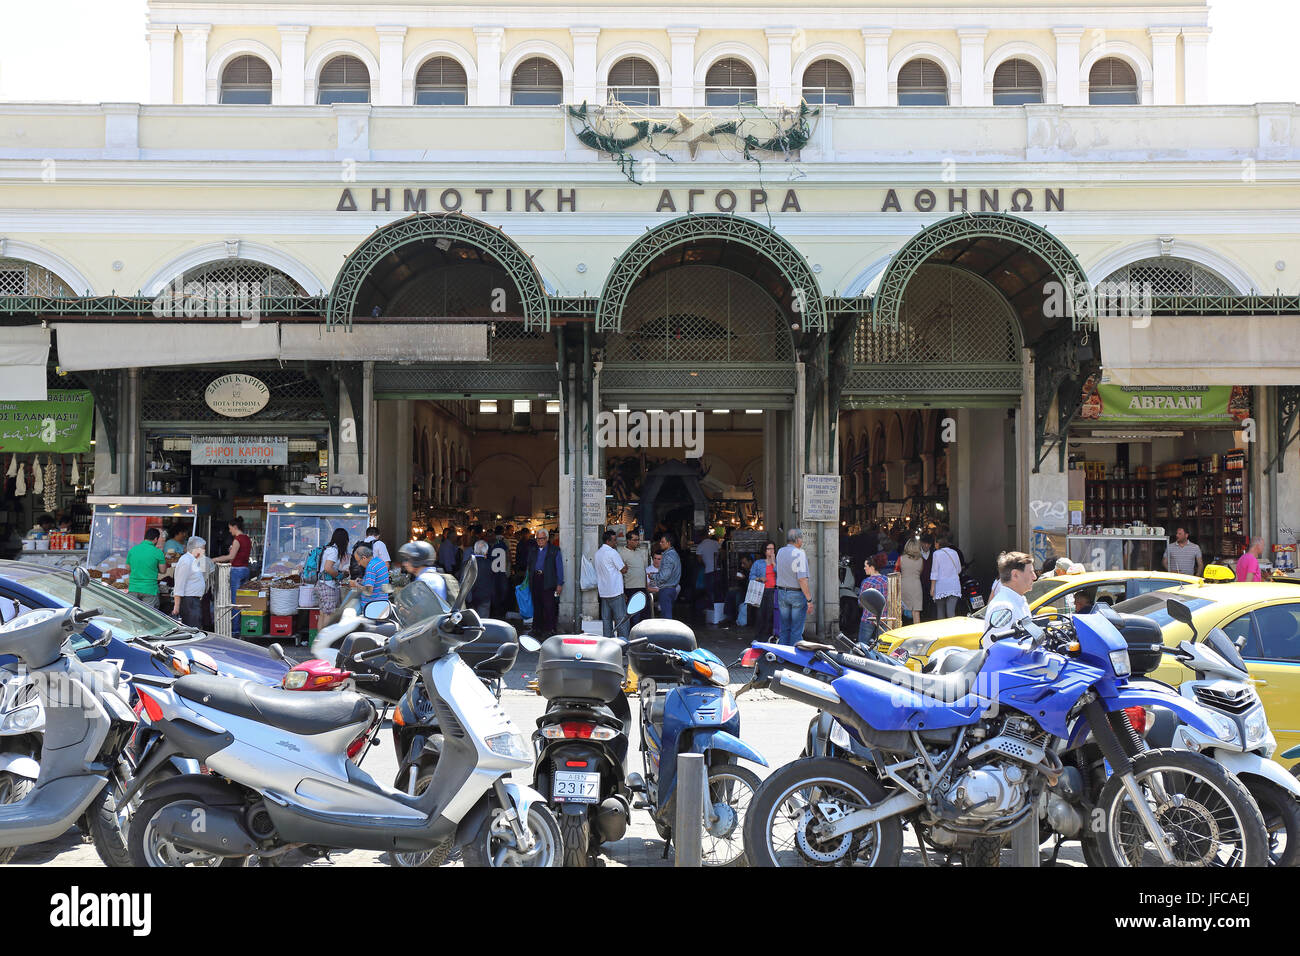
524,597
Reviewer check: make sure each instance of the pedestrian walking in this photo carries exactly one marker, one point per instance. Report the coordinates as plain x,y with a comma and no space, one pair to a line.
910,566
668,581
945,578
241,546
609,587
1248,563
480,595
875,579
794,598
190,584
545,567
764,570
331,572
635,559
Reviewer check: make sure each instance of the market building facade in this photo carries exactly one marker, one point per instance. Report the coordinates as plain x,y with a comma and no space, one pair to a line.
481,268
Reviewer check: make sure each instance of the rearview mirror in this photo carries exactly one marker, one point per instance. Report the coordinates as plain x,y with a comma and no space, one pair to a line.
1179,611
1000,617
871,600
467,578
80,577
377,611
278,651
637,604
529,643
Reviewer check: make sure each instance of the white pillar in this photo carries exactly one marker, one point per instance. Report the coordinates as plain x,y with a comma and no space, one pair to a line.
683,64
293,65
194,63
1164,65
972,66
876,61
584,63
162,60
781,91
1195,66
489,66
390,64
1068,89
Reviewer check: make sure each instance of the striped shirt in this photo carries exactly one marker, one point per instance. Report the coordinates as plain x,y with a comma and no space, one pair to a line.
376,576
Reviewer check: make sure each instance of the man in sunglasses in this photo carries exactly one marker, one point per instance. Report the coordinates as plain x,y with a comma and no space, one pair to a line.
1016,575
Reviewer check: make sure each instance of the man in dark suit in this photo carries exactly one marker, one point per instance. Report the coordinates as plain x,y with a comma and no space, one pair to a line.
545,569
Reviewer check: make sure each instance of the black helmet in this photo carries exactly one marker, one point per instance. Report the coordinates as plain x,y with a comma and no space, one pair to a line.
418,553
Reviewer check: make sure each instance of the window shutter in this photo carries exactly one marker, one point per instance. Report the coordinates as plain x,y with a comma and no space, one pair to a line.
1017,74
1112,73
633,71
731,72
345,71
922,75
442,72
538,73
246,71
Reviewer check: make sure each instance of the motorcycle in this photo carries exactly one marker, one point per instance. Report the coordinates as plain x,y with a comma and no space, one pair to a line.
281,779
966,756
22,725
581,741
88,723
685,707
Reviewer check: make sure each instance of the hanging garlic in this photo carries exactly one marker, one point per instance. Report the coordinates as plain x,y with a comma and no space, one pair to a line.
38,479
51,485
76,473
13,467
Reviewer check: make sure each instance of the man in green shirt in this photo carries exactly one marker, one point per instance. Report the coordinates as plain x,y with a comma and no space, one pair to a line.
145,560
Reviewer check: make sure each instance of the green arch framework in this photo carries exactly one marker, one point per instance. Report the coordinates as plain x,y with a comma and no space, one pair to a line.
629,266
453,226
1030,236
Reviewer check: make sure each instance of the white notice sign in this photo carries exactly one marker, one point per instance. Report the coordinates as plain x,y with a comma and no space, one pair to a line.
593,502
821,497
239,450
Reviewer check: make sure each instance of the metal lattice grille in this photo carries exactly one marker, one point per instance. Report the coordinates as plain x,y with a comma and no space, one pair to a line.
26,278
1167,275
701,314
177,395
243,274
461,379
665,380
889,381
948,315
462,290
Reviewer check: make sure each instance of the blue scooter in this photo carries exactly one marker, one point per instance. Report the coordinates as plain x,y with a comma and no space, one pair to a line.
685,707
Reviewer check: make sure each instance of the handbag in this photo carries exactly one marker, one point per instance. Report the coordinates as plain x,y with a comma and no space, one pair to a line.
742,616
524,597
754,593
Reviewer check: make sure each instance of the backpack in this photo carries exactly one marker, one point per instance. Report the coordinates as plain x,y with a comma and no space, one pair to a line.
311,570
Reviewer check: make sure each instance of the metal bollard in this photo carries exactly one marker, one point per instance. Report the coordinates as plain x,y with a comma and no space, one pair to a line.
221,604
688,824
1024,842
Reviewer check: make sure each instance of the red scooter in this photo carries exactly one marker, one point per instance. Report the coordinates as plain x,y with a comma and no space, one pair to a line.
318,675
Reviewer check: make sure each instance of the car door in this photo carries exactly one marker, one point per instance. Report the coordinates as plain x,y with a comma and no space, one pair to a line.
1272,654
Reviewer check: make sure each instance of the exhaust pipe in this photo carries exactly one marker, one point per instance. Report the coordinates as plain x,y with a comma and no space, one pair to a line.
214,830
612,818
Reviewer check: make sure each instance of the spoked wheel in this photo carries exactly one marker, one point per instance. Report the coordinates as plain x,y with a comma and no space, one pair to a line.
1208,817
794,807
1281,812
495,844
730,794
438,855
13,788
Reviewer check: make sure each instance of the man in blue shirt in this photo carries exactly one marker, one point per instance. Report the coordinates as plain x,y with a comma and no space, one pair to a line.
545,581
669,579
372,583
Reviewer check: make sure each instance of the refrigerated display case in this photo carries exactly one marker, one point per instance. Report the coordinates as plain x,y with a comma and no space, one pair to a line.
295,524
119,524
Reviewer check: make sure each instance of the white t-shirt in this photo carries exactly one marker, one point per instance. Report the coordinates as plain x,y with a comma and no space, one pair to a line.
379,549
945,572
1007,597
330,554
609,572
707,551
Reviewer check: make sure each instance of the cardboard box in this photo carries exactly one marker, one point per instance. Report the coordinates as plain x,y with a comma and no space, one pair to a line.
252,602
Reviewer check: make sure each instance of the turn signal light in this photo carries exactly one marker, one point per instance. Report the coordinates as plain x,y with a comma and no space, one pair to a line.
150,706
751,657
703,669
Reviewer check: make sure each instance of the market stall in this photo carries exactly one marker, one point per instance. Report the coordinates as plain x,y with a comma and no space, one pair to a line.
295,524
119,524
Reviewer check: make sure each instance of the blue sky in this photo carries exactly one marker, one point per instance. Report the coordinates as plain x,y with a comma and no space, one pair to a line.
95,51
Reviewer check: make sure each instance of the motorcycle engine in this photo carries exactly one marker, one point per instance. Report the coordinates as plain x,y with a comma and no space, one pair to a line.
992,790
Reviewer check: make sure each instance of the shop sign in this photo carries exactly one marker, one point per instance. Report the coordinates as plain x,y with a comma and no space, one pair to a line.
593,501
239,450
821,497
237,395
62,424
1188,404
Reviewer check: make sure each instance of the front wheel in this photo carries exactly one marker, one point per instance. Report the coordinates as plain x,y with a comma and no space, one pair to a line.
494,843
785,823
13,788
1281,812
1207,815
729,798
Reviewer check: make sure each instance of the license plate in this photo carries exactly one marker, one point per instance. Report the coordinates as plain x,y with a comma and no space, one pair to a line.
575,787
976,603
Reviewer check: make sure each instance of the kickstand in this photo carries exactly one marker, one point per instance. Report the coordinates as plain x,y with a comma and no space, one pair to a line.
1056,850
925,857
667,845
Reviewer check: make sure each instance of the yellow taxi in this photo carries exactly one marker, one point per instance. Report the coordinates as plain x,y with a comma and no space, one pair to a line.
1267,615
1045,596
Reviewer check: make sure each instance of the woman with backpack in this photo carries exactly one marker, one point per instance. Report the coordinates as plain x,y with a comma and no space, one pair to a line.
332,571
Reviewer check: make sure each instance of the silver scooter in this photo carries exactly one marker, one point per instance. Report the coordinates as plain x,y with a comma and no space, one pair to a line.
280,778
88,723
22,725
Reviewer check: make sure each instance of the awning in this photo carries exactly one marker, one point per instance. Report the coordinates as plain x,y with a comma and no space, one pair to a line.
1201,350
24,352
389,342
92,345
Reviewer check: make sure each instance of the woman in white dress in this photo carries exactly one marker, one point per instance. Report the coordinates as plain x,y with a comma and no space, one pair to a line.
910,564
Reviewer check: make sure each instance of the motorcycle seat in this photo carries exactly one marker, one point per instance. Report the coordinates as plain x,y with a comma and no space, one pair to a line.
947,687
812,646
295,711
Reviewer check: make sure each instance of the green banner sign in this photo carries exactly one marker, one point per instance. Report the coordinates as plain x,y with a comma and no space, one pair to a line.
63,423
1191,404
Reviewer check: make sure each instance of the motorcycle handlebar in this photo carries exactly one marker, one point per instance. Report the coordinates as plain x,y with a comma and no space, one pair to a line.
83,616
371,654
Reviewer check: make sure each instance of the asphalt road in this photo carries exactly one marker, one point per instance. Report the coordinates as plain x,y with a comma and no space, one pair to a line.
773,725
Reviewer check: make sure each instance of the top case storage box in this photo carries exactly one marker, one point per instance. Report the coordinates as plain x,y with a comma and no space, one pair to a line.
496,635
574,666
1145,641
666,633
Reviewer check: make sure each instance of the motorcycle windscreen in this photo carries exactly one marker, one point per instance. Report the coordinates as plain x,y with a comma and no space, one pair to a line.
416,602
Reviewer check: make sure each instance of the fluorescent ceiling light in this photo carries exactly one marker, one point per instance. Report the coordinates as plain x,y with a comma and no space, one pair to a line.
487,406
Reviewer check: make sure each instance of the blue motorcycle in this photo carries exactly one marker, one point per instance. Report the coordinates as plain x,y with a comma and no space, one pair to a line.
968,755
685,707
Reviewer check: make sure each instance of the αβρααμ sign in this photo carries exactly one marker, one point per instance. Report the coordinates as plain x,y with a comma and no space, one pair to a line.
237,395
239,450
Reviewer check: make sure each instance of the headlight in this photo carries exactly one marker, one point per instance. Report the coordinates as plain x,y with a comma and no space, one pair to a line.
913,647
1256,728
1119,661
1224,727
719,675
22,719
294,680
509,745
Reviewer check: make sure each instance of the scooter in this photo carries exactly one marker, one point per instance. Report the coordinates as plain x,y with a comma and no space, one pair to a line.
685,707
22,725
87,725
581,741
280,778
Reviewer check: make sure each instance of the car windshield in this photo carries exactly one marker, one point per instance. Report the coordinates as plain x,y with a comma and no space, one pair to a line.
137,620
1035,593
1154,604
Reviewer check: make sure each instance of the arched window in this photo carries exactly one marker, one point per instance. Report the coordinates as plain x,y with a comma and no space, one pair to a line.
634,81
1017,82
1167,275
537,82
1112,82
922,82
246,79
828,81
19,277
227,284
441,81
343,79
730,82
